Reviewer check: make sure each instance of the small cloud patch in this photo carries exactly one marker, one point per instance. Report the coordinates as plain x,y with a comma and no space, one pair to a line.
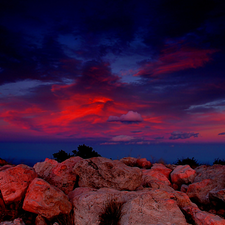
180,135
222,133
130,117
122,138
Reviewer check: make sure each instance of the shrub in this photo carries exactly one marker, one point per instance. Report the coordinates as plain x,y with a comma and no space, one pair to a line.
193,163
61,155
85,152
219,161
112,213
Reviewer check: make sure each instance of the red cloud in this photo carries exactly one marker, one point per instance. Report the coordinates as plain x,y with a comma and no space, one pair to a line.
172,61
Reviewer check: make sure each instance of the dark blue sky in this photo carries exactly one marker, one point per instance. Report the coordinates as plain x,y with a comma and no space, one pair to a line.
112,73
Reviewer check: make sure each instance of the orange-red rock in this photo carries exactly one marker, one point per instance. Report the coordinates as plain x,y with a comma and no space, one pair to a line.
14,182
182,175
143,163
99,172
58,174
46,200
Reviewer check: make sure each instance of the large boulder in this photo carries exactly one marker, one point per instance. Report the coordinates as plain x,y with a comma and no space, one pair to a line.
143,163
215,173
152,208
99,172
182,175
58,174
46,200
138,207
129,161
149,175
161,169
199,191
201,217
14,182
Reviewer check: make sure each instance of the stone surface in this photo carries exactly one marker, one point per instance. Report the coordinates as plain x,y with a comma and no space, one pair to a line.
129,161
199,191
152,208
140,207
143,163
182,175
162,169
40,220
14,182
17,221
58,174
5,167
217,195
46,200
215,173
184,188
153,174
99,172
203,218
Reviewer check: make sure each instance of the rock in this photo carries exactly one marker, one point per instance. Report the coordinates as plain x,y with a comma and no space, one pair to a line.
152,208
182,175
3,162
14,182
162,169
129,161
15,222
5,167
139,207
58,174
46,200
199,191
217,195
143,163
184,188
40,220
215,173
203,218
99,172
152,174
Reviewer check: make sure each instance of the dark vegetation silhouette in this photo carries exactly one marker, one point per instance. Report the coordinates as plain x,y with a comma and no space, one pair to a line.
61,156
111,214
83,151
193,163
219,161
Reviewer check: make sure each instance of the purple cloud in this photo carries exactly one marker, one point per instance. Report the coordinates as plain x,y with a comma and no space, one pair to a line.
130,117
180,135
222,133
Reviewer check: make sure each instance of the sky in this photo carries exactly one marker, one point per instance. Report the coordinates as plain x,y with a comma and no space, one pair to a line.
113,74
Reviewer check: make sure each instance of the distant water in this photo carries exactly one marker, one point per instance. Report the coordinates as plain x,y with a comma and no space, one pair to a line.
30,153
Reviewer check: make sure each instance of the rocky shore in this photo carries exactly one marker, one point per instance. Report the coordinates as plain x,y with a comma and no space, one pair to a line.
79,191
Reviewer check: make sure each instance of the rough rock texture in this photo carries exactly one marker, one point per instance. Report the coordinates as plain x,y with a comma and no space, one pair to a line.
217,195
5,167
99,172
58,174
215,173
150,208
129,161
14,222
203,218
45,199
153,174
140,207
199,191
40,220
182,175
14,182
143,163
162,169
